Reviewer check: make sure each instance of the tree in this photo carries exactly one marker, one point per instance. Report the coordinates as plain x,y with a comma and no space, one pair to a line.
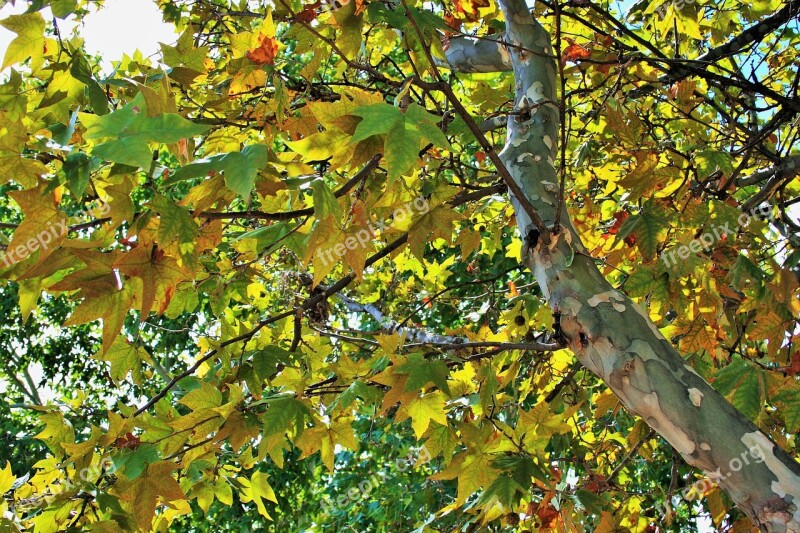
298,223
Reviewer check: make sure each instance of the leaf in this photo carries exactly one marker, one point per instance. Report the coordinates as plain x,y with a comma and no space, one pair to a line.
6,478
648,227
13,165
326,438
133,461
160,274
325,203
285,414
177,230
422,371
125,358
133,130
436,223
240,168
265,52
504,490
789,402
256,490
77,168
405,133
740,383
44,228
142,495
575,52
426,409
206,396
29,42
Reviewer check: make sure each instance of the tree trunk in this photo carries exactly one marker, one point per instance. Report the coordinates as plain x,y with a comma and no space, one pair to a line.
608,332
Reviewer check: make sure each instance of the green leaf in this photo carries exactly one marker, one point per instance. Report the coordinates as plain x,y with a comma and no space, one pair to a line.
504,490
81,71
594,503
649,227
285,414
325,203
406,133
789,402
124,358
78,167
422,371
740,383
267,360
63,8
134,462
240,168
133,130
177,227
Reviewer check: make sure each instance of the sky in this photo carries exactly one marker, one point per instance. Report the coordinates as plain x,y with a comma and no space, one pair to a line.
120,27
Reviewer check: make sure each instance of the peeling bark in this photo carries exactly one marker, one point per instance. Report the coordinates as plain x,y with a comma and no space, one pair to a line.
608,332
471,54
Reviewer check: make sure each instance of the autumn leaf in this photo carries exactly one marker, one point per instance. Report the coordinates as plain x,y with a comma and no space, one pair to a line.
142,495
265,52
574,52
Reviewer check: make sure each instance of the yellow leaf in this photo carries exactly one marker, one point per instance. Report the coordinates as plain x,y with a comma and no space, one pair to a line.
141,496
256,490
6,478
423,410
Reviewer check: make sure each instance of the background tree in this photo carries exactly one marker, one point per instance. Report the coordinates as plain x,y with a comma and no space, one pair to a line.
295,230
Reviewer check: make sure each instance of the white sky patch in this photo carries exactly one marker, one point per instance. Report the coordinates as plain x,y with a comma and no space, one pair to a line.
120,27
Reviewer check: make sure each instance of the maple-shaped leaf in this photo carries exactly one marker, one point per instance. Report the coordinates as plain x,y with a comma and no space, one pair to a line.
125,358
256,490
437,223
13,166
177,230
406,133
422,371
325,438
423,410
325,247
575,52
503,490
741,384
141,496
265,52
284,414
473,468
103,296
160,274
42,231
240,169
29,42
132,130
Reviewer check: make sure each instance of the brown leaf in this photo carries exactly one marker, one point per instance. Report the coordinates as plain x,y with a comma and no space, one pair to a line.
265,53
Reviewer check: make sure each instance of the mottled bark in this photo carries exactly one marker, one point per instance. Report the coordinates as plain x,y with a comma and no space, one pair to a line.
608,332
471,54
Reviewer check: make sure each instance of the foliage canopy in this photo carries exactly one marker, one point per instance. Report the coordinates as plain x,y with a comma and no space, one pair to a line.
262,268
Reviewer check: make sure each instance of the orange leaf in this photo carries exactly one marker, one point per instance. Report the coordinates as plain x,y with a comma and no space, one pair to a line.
265,53
575,52
512,287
